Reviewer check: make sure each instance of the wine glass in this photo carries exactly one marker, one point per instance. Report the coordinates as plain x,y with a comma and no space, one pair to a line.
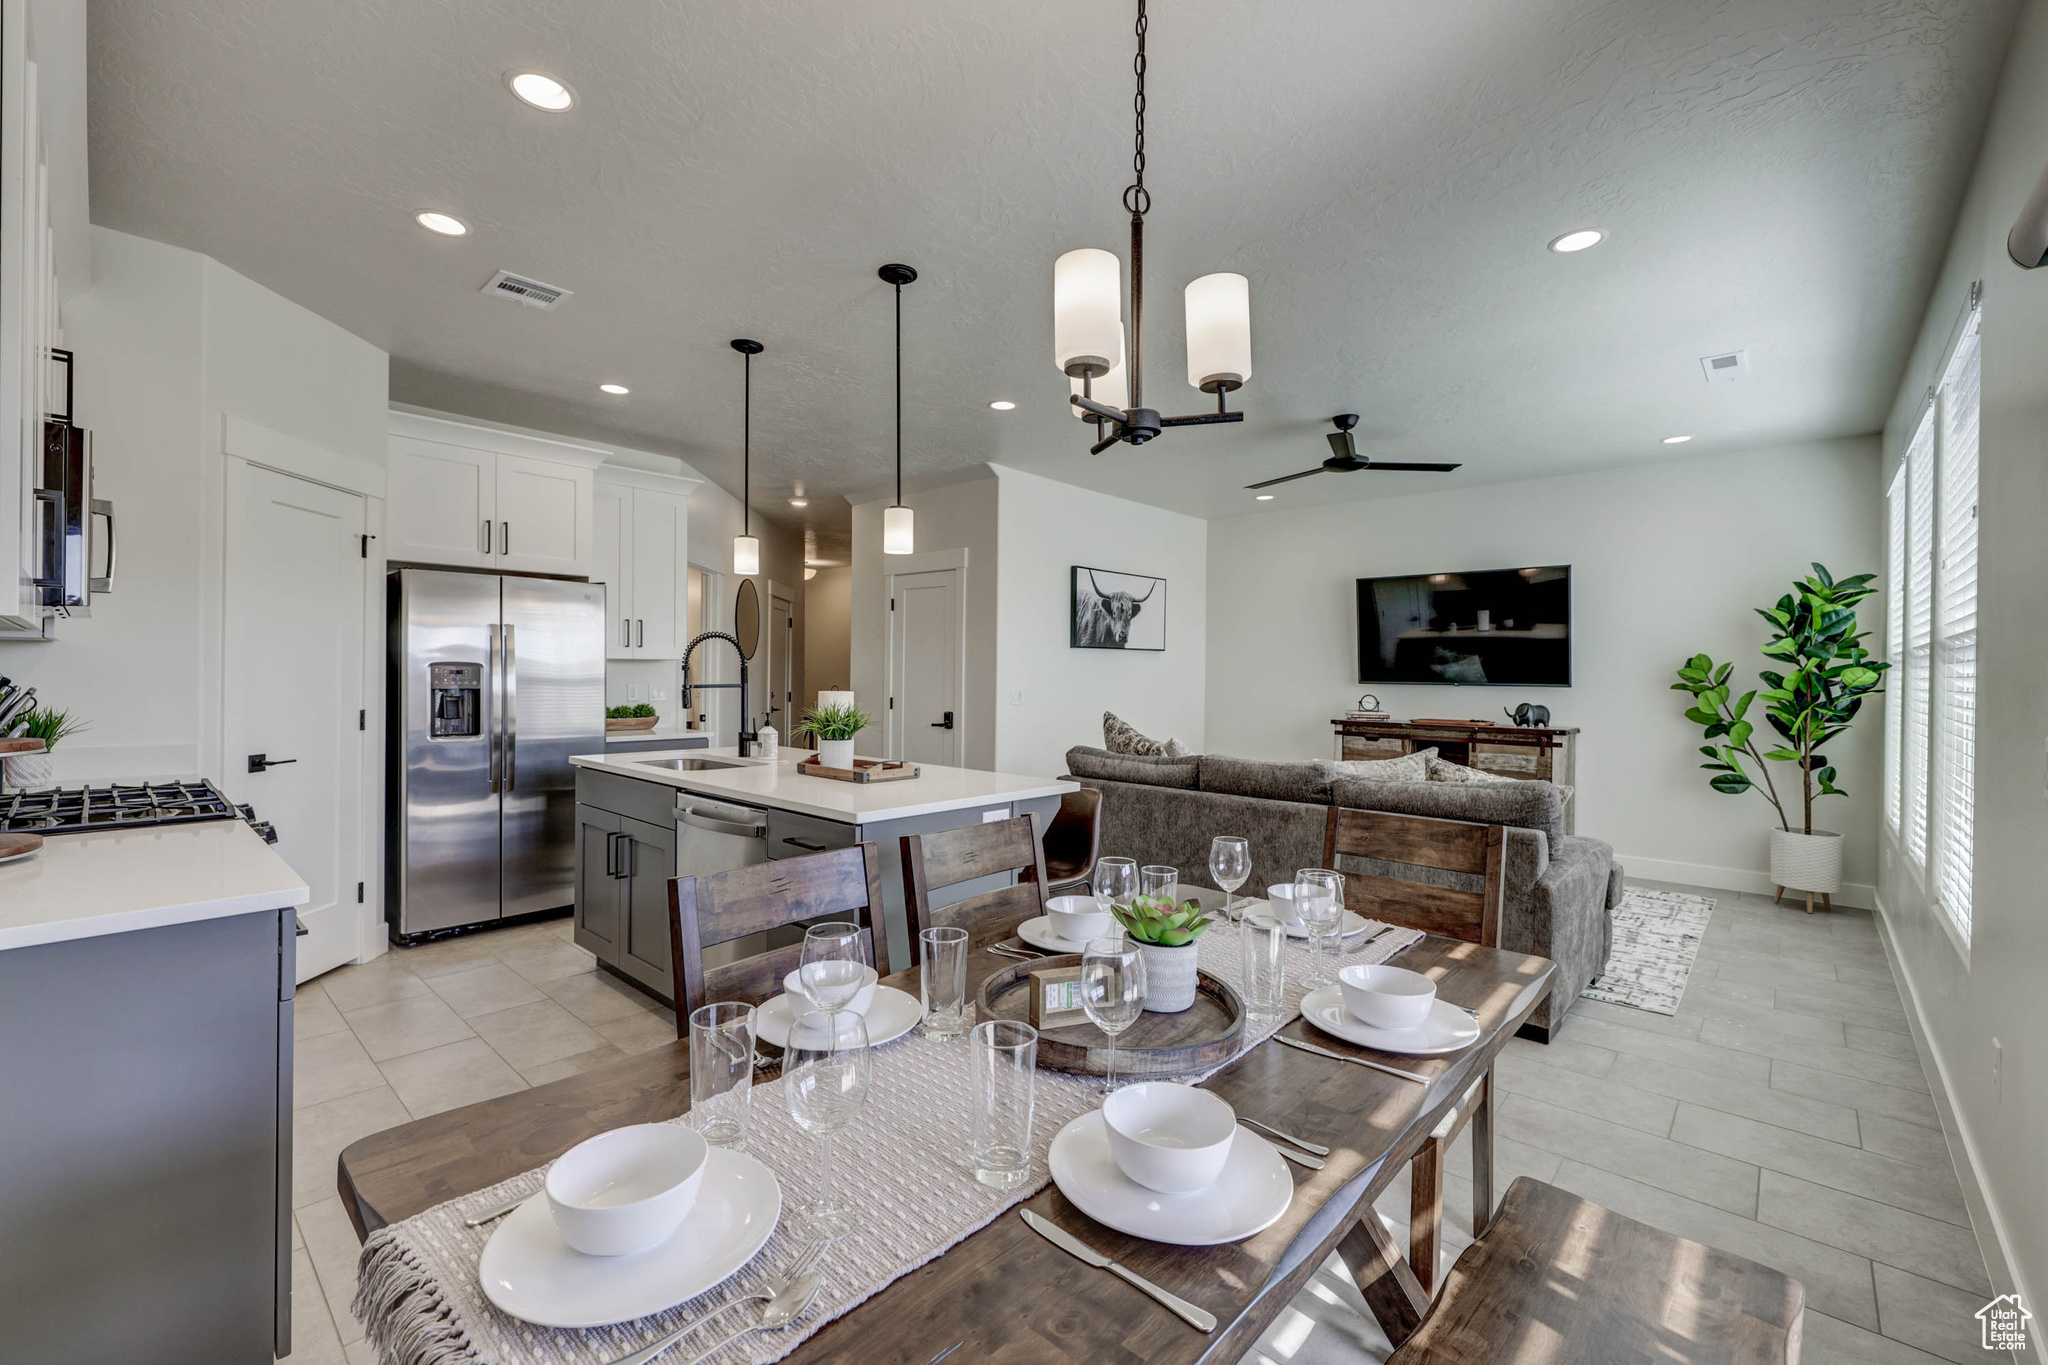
1112,991
1319,895
823,1085
1115,883
834,966
1230,866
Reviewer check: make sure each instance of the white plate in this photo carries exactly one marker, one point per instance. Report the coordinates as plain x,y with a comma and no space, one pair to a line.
1445,1029
1038,933
1251,1194
531,1273
1353,923
893,1014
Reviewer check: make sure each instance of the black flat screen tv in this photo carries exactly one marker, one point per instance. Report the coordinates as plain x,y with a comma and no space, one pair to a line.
1496,627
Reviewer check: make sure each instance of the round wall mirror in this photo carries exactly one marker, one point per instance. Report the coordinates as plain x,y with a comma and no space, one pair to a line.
746,618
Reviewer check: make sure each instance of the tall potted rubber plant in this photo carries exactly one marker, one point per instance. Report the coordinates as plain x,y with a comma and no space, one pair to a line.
1828,673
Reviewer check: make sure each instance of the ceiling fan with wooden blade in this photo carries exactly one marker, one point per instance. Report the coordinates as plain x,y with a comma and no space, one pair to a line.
1345,459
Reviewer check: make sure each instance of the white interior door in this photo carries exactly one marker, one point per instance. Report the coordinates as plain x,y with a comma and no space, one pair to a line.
780,693
293,688
925,667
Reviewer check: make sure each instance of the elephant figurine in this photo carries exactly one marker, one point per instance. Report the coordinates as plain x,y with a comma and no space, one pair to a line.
1529,714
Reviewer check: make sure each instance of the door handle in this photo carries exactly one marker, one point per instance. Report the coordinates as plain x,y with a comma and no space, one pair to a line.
511,686
492,737
301,931
259,762
504,537
945,724
795,842
611,854
625,632
626,858
691,819
487,535
640,634
103,508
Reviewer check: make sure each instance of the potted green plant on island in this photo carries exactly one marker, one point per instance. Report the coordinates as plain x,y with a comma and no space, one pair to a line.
1827,674
638,716
834,727
27,771
1166,931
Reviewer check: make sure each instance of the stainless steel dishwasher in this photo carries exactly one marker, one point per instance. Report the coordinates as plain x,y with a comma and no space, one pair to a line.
718,836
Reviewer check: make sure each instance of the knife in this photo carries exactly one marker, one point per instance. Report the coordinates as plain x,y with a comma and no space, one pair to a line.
1197,1318
1355,1061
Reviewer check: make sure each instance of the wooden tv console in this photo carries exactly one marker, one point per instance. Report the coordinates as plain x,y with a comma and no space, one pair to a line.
1525,752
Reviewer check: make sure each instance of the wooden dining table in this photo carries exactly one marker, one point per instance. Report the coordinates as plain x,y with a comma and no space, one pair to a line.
1005,1292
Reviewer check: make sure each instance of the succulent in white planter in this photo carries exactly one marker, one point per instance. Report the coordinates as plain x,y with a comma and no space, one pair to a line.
834,728
26,772
1165,931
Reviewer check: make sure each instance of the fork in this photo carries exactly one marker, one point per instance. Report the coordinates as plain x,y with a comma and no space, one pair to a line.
762,1295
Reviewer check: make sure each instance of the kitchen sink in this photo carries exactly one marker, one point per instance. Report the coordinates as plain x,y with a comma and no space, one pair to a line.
690,765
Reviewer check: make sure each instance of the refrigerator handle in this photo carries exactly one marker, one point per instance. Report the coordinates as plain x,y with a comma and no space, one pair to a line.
511,687
497,717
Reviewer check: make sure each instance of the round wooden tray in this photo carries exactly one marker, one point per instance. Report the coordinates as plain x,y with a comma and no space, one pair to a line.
1204,1035
614,725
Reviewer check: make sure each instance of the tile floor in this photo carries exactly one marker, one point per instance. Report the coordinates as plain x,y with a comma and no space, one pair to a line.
1781,1114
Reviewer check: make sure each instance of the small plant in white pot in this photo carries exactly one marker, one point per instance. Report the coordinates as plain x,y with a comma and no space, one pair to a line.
1166,931
29,771
834,727
1814,637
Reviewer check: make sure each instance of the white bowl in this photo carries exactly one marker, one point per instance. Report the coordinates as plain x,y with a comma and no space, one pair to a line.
865,996
1386,997
1169,1137
1281,898
626,1190
1077,918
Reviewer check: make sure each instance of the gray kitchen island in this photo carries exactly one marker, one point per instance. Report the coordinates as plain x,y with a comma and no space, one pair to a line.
643,818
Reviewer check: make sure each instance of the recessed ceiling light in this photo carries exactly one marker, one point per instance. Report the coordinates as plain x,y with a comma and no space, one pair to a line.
442,223
1577,241
799,502
542,92
613,388
1676,440
1002,405
1263,497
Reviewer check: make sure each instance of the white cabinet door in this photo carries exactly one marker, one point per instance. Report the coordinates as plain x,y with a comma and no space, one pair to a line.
660,559
544,516
611,533
442,504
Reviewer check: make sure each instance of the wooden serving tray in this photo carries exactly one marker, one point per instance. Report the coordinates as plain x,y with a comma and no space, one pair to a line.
21,746
863,770
1205,1035
616,724
14,846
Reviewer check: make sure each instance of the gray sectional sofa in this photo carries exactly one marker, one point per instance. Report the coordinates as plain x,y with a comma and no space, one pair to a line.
1559,890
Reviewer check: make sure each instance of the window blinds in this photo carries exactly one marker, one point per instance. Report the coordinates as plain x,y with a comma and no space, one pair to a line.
1912,693
1894,640
1953,789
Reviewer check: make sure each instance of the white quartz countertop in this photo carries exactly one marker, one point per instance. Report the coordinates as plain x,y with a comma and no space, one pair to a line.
111,881
777,785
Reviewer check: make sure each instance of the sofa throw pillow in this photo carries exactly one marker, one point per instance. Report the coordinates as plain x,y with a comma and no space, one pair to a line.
1443,770
1119,736
1407,768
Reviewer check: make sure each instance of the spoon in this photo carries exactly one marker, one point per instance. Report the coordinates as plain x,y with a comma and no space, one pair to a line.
782,1310
766,1294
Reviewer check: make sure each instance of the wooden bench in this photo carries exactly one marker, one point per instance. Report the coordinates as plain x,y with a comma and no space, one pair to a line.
1558,1278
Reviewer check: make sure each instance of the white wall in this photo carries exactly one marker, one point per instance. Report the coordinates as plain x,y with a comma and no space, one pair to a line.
1044,529
1668,560
1964,1003
828,631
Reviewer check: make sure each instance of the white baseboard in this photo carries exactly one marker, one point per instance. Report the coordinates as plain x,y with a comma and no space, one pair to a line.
1984,1216
1857,895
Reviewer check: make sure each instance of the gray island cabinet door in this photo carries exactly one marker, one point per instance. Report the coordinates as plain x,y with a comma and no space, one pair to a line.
597,883
650,863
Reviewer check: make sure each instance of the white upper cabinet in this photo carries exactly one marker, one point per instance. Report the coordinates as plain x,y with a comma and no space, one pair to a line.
474,498
643,550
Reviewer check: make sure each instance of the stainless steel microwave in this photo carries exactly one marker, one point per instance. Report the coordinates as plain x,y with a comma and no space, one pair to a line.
68,549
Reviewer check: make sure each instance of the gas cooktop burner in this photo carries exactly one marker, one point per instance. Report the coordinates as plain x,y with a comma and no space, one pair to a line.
70,810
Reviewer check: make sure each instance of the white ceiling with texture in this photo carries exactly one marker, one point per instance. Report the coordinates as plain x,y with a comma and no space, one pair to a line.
1774,175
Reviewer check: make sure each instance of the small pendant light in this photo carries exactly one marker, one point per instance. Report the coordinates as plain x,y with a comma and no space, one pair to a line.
746,547
898,533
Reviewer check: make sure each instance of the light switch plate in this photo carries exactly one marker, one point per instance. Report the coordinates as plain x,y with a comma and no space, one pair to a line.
1016,696
658,694
632,691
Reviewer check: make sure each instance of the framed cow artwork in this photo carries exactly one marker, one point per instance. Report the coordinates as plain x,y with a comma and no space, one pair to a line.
1118,610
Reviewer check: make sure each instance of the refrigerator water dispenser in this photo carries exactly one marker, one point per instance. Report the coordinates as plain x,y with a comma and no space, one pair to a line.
453,692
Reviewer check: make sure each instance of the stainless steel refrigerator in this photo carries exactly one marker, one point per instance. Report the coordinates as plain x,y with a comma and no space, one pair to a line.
495,680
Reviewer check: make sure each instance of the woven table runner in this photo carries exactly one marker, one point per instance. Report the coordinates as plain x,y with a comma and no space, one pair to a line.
904,1163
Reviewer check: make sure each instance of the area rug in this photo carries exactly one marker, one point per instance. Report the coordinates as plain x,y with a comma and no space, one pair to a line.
1656,936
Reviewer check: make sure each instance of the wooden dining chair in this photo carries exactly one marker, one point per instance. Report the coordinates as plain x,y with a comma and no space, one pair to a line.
1462,912
1073,841
843,883
946,858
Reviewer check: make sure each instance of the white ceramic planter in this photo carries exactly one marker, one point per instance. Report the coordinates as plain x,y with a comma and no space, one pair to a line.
835,753
1169,977
28,771
1807,862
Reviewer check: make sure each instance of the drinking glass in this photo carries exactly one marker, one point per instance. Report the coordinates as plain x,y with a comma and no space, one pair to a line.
834,965
1005,1073
1115,883
942,982
1264,984
722,1073
823,1086
1112,991
1157,879
1230,866
1319,895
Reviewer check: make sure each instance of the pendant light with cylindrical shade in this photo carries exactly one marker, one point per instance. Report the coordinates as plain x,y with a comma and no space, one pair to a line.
898,522
746,547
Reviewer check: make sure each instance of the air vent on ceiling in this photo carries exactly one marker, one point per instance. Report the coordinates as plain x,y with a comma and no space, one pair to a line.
1726,369
532,293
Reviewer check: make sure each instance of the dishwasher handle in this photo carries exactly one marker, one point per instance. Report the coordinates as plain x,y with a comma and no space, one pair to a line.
733,820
